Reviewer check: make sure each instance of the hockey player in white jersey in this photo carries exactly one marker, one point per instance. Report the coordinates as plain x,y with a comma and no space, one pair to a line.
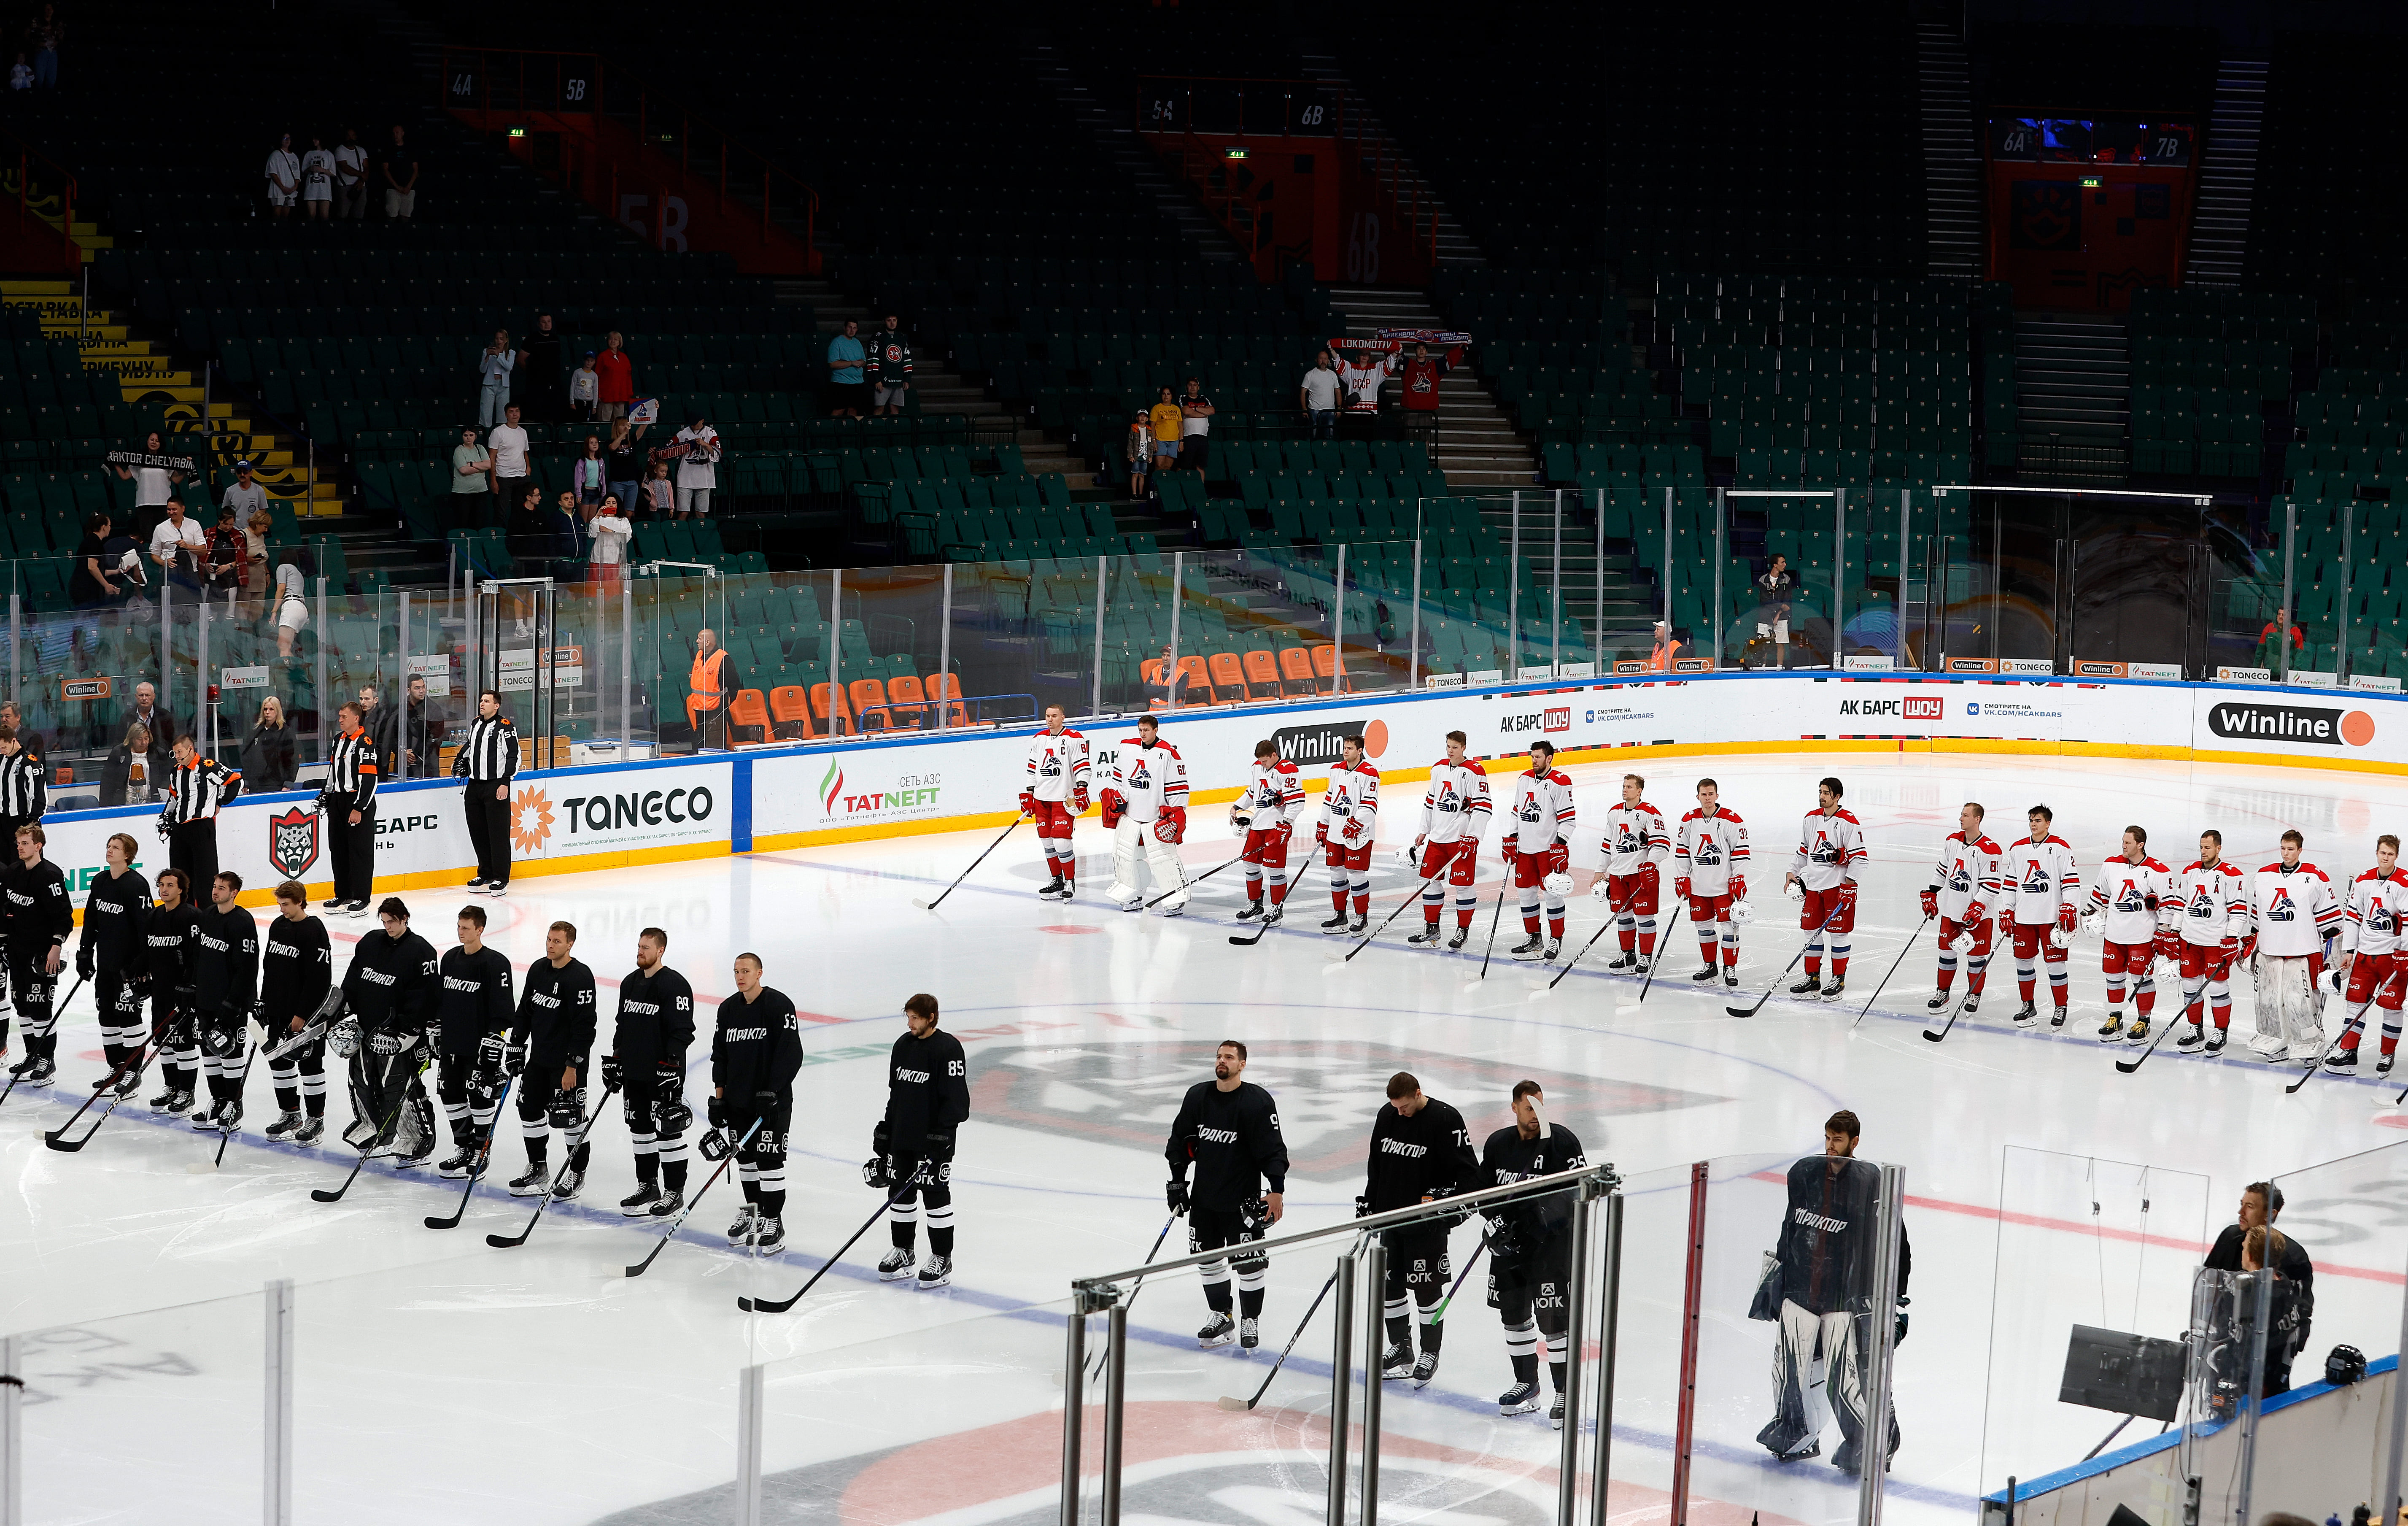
1145,806
1454,811
1350,821
2134,899
1831,853
1538,843
2373,961
2041,890
1266,813
1636,846
2215,909
1054,795
2293,914
1710,873
1963,892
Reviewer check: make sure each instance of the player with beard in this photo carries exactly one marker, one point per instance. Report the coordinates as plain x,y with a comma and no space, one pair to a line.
1420,1151
1228,1129
1530,1247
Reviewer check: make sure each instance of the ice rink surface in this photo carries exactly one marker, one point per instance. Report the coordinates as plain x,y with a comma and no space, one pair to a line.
443,1379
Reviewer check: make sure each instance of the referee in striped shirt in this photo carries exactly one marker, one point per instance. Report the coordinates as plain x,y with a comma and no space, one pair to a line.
487,760
195,788
348,803
23,796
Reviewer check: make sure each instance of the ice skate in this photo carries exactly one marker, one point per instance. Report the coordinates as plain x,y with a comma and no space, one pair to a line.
1705,972
534,1182
1396,1362
127,1084
1973,1003
1426,1369
1276,916
1811,986
226,1118
571,1182
770,1238
204,1120
1429,937
1335,925
1250,1334
1626,961
1530,948
1521,1399
939,1273
2113,1028
1220,1330
1051,889
1254,909
39,1072
1555,949
1939,1002
312,1130
2057,1018
1462,936
1555,1411
638,1204
285,1124
2026,1016
2216,1041
2383,1064
669,1204
1730,974
2189,1036
1362,923
1835,990
897,1265
739,1233
2342,1062
174,1099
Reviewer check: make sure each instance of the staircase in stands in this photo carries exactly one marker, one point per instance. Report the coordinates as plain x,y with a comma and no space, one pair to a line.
1952,187
2073,392
1118,135
146,372
1455,246
2228,176
1478,447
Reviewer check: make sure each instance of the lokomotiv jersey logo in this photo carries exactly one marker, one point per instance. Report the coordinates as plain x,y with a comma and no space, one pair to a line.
293,841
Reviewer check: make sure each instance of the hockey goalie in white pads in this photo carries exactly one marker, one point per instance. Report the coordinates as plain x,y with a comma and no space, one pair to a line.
2293,914
1145,805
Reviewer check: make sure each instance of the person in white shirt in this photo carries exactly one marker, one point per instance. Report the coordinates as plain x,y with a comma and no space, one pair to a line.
584,390
2215,909
2371,961
291,610
350,176
698,470
2037,910
1054,795
507,443
178,546
152,485
1537,839
611,529
1831,853
318,181
1965,884
2293,914
1349,825
1710,860
1456,810
493,369
1636,845
2133,905
283,179
1145,808
1318,396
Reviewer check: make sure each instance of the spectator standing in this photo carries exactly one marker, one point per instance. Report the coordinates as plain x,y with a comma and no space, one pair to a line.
1141,453
589,477
127,774
610,531
400,171
1195,427
507,443
291,610
1167,421
422,733
178,545
318,181
255,532
47,35
471,501
1318,396
1422,373
21,76
92,585
244,496
270,754
623,462
539,371
615,376
155,723
584,391
526,527
698,470
283,179
1775,589
350,177
562,542
227,555
845,360
152,485
660,494
377,720
494,368
890,367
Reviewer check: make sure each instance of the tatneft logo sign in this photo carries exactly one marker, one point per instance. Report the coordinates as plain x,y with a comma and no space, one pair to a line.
912,791
1904,708
2315,726
1537,720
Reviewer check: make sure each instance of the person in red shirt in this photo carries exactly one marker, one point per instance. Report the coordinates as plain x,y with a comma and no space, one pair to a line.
618,378
1421,373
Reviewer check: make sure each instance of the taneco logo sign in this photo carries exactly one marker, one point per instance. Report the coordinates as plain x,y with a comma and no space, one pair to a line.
648,808
2315,726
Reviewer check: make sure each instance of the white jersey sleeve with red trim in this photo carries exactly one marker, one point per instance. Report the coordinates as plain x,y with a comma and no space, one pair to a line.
1831,848
2215,906
1457,804
1058,766
1542,811
1967,878
2135,898
2370,923
2294,910
1635,835
2040,879
1709,851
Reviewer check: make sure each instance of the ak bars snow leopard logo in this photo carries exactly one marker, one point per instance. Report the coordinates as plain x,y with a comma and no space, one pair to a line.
2315,726
293,841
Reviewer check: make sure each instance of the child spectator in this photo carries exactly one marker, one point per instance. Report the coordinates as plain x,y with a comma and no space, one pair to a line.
612,530
1141,453
255,532
697,473
589,478
22,77
660,494
584,391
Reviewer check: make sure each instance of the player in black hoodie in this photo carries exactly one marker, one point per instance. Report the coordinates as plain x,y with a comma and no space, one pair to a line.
297,969
927,1099
390,990
755,1051
1229,1128
551,1043
39,919
647,1057
109,954
166,968
225,987
473,1013
1420,1151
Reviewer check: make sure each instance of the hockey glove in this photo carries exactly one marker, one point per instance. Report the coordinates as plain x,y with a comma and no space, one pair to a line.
1254,1217
384,1041
1079,799
2093,921
1362,1207
490,1050
1175,1192
672,1117
938,1147
1900,1339
83,961
716,1111
1412,853
1930,901
882,1139
166,828
2065,920
1171,824
2170,944
1847,893
1738,887
2248,948
612,1076
1353,835
1955,942
1321,834
1114,807
1241,816
514,1057
1027,802
1680,887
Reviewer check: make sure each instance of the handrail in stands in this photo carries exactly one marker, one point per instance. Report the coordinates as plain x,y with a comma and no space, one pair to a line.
31,160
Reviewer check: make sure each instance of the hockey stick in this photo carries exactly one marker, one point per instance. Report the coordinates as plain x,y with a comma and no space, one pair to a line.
1750,1011
54,1012
639,1268
1185,884
1349,955
1491,949
1893,970
1148,1262
225,1135
774,1305
1249,943
1612,912
932,905
1439,1313
56,1138
568,1159
400,1101
476,1167
2313,1069
1229,1401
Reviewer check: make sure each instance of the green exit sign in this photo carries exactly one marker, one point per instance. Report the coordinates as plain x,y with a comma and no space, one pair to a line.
1233,153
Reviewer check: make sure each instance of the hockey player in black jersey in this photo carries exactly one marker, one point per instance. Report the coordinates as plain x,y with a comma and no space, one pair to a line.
297,969
109,954
928,1098
550,1047
1530,1246
39,918
225,987
1229,1128
166,971
647,1058
390,989
756,1049
472,1011
1420,1151
1828,1278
